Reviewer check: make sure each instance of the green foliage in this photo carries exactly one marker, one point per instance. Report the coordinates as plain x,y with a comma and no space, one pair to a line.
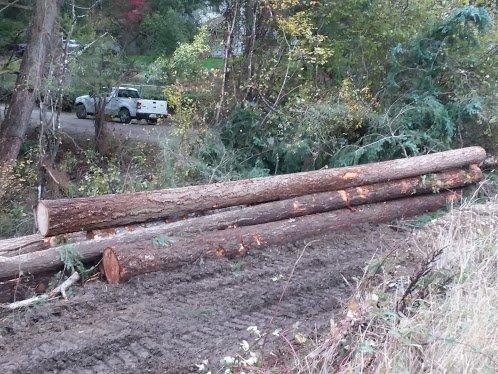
99,181
186,62
237,268
98,68
72,262
11,31
243,130
427,102
17,199
302,135
212,63
164,31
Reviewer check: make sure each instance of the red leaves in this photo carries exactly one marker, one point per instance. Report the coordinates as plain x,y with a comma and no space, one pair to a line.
134,10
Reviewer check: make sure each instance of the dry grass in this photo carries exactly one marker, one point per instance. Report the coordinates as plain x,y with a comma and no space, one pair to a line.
431,307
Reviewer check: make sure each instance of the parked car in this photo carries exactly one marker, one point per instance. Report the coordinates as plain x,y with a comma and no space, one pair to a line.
125,103
72,44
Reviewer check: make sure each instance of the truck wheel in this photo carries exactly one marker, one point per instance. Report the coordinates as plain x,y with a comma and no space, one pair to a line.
124,115
81,111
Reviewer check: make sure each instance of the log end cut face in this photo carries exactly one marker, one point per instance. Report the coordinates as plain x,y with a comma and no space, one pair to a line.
42,218
111,266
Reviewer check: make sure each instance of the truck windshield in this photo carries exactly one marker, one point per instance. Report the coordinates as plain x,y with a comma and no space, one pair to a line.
128,93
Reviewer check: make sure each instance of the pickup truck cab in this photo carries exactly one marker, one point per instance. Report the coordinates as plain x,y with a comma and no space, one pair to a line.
125,103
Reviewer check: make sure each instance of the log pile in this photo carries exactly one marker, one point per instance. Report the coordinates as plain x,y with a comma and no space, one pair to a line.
143,232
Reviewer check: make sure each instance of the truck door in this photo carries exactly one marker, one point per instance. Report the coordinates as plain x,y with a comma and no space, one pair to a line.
112,103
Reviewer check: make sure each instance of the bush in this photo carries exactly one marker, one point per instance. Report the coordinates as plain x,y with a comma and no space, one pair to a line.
307,133
17,196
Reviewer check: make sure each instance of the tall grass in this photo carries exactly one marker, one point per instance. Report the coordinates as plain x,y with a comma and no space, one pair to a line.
430,307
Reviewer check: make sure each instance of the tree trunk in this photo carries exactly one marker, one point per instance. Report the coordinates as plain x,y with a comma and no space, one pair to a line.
89,250
250,21
16,122
263,213
231,18
25,244
69,215
34,243
99,122
123,262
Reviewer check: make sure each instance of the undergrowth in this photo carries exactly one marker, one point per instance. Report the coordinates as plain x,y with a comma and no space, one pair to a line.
430,307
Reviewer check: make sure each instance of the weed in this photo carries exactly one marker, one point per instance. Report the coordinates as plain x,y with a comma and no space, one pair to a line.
72,262
442,318
237,268
163,241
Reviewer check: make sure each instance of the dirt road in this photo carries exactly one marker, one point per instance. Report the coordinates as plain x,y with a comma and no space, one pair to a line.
83,129
168,322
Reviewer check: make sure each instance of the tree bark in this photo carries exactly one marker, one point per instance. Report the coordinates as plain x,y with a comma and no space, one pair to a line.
256,214
231,18
16,122
34,243
89,250
131,259
69,215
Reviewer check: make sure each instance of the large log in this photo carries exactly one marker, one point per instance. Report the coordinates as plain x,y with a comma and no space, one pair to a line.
89,250
69,215
36,242
120,263
262,213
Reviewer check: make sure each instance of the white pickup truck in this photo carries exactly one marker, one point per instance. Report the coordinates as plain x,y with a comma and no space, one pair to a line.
125,103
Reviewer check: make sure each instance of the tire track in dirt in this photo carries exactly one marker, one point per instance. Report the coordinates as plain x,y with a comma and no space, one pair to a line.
170,321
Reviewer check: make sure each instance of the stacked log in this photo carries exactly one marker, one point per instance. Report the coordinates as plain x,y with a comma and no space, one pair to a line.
70,215
89,250
263,212
36,242
133,258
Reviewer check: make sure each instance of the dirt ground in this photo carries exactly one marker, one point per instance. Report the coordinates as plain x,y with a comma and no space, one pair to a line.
167,322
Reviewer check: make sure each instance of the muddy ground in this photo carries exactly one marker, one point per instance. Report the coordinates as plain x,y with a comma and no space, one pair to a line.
168,322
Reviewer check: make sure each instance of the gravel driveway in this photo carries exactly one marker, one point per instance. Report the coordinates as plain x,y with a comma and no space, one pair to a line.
83,129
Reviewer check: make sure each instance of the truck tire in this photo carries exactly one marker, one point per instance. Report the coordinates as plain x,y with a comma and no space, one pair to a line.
124,115
81,111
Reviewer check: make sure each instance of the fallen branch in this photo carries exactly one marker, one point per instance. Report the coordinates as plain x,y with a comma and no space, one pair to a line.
61,289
